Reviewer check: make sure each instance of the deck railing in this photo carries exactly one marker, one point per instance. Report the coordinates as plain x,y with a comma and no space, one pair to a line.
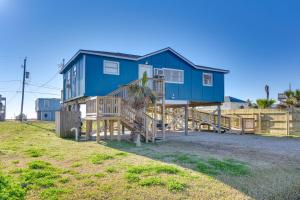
104,106
229,122
155,84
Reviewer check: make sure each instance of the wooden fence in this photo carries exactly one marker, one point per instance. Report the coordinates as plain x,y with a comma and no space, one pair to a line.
271,121
64,121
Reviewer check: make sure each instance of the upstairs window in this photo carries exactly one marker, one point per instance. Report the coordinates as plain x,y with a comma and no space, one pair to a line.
174,75
111,67
207,79
46,103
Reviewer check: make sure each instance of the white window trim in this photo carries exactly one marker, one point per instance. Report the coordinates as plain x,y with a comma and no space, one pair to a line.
118,64
177,82
212,80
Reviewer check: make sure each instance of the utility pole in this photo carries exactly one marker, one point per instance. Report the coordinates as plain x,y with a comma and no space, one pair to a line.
23,88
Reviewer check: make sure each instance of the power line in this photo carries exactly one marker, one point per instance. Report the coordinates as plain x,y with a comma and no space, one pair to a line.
46,87
53,77
11,81
34,92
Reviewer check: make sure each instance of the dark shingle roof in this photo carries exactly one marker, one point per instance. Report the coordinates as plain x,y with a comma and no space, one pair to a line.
208,68
125,55
232,99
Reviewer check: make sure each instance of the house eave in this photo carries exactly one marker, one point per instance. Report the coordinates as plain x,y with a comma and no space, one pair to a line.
143,57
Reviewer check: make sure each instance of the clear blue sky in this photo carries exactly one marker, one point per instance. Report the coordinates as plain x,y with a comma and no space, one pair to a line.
258,41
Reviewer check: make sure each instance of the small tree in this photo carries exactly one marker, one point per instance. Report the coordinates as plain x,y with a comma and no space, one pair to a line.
292,98
265,103
139,97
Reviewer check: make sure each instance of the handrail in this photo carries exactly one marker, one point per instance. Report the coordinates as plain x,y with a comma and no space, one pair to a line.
156,84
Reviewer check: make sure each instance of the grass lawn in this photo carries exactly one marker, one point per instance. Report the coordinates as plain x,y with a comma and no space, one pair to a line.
35,164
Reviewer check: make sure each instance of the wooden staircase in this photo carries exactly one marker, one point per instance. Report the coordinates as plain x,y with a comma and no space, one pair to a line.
229,123
115,106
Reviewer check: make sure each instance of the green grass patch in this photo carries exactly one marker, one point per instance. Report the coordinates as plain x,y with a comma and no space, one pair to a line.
185,158
156,169
230,166
52,193
111,170
39,174
99,175
176,186
100,157
64,180
15,162
76,164
132,178
206,169
151,181
9,189
35,152
121,154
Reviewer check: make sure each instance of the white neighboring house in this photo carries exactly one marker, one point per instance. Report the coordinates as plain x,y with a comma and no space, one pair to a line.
230,103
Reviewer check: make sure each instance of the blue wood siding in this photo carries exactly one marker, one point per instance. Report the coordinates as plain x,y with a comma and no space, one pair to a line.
74,76
192,89
99,84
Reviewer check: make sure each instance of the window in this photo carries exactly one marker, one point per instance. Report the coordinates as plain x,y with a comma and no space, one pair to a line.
207,79
174,75
46,103
110,67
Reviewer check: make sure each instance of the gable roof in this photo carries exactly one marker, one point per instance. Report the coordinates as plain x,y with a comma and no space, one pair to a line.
233,100
137,58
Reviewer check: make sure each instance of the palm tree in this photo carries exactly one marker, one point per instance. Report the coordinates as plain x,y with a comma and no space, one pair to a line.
139,97
265,103
292,98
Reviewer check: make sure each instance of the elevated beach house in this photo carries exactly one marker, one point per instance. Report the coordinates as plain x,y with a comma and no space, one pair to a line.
99,78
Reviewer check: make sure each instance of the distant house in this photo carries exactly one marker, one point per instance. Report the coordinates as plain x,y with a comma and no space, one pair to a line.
231,103
2,108
46,107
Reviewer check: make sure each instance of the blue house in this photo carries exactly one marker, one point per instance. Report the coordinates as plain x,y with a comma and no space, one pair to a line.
46,108
100,73
97,73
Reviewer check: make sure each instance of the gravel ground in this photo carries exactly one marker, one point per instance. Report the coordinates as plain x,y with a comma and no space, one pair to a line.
259,150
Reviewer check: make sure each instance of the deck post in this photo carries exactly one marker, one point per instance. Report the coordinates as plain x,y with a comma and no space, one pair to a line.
111,129
89,127
97,120
98,130
146,131
193,119
119,130
123,129
154,125
105,129
163,112
186,121
219,118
